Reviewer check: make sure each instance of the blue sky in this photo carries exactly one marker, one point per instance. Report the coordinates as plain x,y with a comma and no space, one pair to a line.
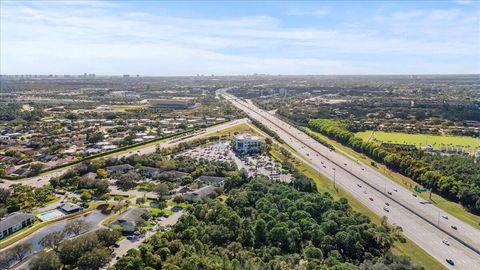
233,38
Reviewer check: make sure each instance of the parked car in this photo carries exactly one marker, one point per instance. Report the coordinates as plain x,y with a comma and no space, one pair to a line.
116,245
450,261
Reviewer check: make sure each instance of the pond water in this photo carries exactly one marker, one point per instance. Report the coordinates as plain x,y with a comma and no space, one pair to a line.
94,218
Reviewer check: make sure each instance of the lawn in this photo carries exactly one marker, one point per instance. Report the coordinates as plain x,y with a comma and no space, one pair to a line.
436,141
325,185
241,128
450,207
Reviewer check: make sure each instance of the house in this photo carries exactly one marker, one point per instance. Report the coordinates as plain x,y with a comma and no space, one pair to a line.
21,172
15,222
211,180
70,207
194,196
247,144
131,219
169,175
149,171
123,168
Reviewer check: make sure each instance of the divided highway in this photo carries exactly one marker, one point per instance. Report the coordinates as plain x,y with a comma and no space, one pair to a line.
442,236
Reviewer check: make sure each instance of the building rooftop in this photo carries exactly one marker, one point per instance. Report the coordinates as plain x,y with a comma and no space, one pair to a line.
13,219
69,207
246,136
131,216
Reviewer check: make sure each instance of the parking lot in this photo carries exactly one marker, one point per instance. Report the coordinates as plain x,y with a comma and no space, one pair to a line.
255,165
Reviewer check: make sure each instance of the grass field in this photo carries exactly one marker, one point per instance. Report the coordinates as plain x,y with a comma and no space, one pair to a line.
450,207
436,141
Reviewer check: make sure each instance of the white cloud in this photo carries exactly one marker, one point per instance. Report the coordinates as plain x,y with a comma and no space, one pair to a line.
62,39
315,12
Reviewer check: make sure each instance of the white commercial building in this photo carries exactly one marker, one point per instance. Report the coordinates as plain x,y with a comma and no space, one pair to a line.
247,144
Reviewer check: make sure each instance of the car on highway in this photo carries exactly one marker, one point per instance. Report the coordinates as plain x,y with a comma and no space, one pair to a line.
387,204
454,227
414,195
445,241
445,216
395,189
386,209
358,185
389,193
371,199
364,192
450,261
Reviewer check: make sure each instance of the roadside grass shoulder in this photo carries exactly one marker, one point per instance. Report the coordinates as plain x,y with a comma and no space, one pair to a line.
450,207
408,248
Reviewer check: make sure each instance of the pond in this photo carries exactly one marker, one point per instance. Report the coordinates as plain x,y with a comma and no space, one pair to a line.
94,218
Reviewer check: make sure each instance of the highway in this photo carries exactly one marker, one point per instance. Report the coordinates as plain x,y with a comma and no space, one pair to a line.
41,180
425,224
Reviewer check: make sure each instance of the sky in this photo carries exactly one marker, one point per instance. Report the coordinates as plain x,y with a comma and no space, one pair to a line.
154,38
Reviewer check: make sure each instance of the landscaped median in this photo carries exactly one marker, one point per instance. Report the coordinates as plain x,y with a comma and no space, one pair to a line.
19,235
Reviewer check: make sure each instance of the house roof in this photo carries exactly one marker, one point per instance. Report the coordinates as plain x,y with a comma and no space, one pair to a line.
13,219
121,167
176,174
68,207
210,179
90,175
202,192
132,216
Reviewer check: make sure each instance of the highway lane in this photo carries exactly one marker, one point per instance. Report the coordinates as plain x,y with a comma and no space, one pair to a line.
418,230
43,179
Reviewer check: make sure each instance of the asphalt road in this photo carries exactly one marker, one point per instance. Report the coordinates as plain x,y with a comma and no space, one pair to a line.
371,187
42,180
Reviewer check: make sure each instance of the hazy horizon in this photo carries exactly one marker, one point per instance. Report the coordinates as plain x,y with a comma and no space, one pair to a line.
240,38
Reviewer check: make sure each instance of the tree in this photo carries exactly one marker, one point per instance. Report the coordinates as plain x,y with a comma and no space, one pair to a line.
52,240
94,137
4,195
86,196
71,250
46,261
21,250
162,191
94,259
260,232
102,173
76,227
101,187
127,181
108,237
